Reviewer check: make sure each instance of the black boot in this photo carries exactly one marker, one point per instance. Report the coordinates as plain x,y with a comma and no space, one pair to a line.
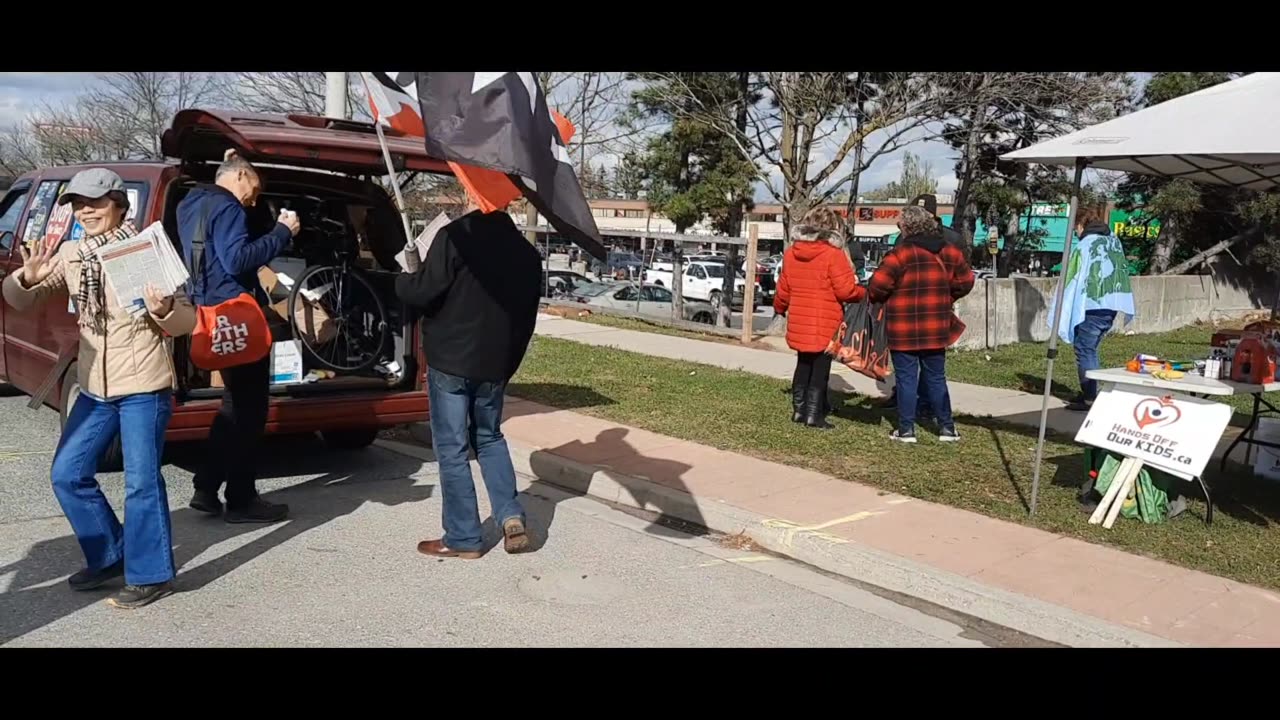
797,403
815,407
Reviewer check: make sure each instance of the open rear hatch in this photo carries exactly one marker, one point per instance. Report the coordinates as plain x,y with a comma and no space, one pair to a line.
305,141
202,137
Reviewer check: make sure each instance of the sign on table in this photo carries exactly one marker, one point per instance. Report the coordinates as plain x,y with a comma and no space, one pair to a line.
1173,432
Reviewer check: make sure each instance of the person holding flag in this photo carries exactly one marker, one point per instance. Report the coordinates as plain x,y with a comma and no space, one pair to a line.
479,286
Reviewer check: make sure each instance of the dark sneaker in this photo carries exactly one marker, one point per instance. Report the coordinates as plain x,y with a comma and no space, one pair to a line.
90,579
257,511
136,596
206,502
949,435
1079,404
515,538
899,436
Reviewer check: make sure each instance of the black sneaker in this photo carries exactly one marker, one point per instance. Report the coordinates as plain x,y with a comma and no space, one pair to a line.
136,596
207,502
949,435
899,436
1079,404
90,579
257,511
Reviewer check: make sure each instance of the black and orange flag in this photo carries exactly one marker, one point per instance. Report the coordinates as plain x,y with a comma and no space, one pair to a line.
498,135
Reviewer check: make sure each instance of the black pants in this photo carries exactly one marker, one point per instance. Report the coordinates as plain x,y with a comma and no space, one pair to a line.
813,370
237,430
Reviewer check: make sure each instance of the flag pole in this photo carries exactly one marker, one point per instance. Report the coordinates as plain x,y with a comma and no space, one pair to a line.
410,246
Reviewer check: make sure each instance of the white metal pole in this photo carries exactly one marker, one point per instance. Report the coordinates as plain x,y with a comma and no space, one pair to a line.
1052,351
335,96
410,247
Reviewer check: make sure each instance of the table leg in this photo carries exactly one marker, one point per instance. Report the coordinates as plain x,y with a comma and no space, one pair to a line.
1247,432
1208,501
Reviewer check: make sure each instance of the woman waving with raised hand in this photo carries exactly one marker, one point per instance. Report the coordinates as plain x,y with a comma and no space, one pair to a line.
125,372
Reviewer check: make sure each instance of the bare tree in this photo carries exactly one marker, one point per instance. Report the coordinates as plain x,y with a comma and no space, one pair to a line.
991,113
802,116
596,104
286,92
131,110
19,151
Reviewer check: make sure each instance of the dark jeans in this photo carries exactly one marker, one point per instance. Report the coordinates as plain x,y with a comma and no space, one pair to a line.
812,370
145,541
468,414
237,431
1089,334
926,369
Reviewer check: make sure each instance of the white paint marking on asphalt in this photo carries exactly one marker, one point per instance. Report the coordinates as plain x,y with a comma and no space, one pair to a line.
790,529
899,501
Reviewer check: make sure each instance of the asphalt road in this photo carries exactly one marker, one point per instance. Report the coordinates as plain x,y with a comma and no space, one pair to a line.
343,570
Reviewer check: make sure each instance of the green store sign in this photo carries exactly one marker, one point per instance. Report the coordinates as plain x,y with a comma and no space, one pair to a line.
1131,226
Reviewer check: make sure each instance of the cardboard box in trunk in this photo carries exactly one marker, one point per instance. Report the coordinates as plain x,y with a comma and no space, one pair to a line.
312,321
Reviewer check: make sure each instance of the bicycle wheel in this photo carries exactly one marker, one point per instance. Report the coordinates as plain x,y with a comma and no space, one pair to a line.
358,335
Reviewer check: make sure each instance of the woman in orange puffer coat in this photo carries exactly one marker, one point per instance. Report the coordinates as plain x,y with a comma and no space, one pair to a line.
816,280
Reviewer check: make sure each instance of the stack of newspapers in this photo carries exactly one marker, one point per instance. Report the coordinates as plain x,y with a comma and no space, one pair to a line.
148,258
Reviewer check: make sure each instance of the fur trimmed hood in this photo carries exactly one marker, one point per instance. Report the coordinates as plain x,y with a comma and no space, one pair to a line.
811,233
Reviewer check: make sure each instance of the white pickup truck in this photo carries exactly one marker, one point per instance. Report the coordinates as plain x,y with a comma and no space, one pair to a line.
702,280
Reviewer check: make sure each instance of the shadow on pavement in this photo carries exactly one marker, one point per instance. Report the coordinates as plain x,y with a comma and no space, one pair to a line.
610,449
38,594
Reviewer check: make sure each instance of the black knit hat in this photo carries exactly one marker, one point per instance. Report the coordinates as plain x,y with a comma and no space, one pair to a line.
928,201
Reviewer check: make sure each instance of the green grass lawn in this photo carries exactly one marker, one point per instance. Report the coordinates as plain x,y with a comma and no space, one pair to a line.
1021,366
989,472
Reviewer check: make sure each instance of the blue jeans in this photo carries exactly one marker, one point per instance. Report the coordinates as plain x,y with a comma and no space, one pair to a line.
468,414
145,542
916,371
1089,334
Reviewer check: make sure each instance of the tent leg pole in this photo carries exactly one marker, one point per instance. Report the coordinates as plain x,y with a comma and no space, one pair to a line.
1052,353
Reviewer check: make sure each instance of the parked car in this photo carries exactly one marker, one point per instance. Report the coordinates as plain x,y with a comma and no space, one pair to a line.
319,166
654,300
560,283
703,280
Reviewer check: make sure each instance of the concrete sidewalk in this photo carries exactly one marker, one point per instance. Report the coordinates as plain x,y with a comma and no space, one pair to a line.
976,400
1056,588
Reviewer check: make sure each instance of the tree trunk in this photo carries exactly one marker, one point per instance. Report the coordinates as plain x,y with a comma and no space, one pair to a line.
1208,254
962,215
1162,253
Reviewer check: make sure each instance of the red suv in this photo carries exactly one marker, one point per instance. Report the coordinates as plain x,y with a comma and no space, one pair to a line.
321,167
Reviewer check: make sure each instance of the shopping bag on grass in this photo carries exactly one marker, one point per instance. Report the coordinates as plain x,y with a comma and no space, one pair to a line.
862,341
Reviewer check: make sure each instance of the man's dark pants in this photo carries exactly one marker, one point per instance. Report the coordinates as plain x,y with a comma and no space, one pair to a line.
237,431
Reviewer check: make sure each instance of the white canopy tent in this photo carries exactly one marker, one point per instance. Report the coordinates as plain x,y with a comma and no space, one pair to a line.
1228,134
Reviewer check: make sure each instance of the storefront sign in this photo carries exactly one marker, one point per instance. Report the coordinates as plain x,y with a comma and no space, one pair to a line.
866,214
1170,431
1050,210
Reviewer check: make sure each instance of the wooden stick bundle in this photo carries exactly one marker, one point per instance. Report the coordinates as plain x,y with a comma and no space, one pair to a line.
1112,502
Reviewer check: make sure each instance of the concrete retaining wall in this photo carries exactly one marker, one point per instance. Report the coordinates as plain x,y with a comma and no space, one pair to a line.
1008,310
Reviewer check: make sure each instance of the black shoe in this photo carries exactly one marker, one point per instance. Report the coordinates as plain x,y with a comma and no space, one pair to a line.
899,436
257,511
949,435
136,596
815,415
797,403
206,501
1079,404
90,579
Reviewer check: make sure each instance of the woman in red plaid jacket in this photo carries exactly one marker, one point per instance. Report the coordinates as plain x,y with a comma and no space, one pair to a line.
919,281
816,279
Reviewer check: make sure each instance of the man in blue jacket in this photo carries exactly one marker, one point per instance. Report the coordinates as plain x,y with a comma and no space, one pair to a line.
227,267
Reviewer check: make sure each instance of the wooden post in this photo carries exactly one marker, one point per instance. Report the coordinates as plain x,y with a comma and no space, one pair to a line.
749,291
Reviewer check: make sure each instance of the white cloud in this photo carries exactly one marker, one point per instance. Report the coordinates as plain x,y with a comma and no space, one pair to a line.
22,93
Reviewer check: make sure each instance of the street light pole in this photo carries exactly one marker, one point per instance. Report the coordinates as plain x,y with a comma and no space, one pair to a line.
335,96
